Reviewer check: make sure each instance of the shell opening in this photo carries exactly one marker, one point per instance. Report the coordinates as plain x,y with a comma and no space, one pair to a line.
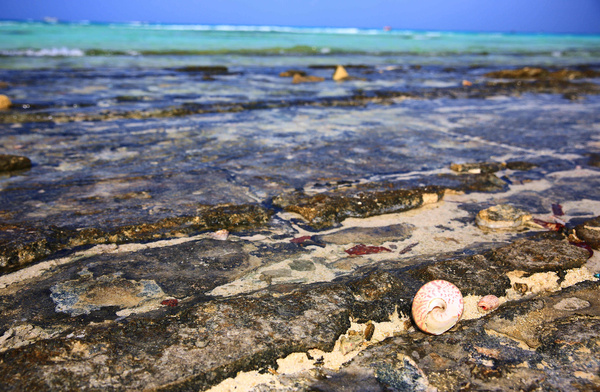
440,317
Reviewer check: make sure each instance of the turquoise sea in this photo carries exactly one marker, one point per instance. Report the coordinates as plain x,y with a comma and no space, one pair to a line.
33,44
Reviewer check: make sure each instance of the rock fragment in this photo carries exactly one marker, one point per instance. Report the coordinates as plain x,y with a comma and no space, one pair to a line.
340,74
590,232
14,162
502,217
306,79
5,102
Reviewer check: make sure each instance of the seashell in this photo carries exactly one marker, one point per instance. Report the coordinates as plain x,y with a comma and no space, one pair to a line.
489,302
437,307
220,235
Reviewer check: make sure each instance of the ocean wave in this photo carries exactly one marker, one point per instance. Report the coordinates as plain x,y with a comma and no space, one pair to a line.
250,28
45,52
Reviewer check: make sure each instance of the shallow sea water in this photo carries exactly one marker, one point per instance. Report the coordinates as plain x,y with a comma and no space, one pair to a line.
248,134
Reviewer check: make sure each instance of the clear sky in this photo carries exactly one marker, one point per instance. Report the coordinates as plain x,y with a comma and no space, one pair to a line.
571,16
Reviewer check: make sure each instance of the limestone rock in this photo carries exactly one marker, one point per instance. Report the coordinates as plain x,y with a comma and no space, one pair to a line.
502,217
5,102
340,74
290,73
306,79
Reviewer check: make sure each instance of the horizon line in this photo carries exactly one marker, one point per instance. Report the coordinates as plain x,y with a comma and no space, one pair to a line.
386,28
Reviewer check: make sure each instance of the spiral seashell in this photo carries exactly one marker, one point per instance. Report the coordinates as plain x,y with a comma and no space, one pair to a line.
437,307
489,302
220,235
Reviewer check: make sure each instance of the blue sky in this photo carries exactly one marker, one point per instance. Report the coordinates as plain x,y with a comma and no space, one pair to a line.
572,16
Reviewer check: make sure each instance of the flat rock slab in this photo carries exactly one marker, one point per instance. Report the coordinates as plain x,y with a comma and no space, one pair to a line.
64,330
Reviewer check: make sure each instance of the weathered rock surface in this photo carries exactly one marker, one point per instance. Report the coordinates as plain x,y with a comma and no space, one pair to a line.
13,162
541,73
291,72
297,78
21,246
502,217
61,330
590,232
325,210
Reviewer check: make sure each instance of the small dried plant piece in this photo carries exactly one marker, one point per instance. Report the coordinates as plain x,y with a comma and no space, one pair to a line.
557,210
170,302
551,226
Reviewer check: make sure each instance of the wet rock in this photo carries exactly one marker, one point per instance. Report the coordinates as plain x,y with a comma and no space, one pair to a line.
539,255
541,73
474,275
208,69
470,182
290,73
186,350
14,162
594,159
306,79
476,168
326,210
87,294
491,167
490,89
502,217
493,353
379,293
589,232
520,165
18,250
5,102
370,235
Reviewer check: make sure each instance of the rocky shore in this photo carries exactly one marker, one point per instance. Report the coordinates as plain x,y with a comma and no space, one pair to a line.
112,275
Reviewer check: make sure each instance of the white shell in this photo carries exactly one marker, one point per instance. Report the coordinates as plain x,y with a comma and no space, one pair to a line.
220,235
489,302
437,307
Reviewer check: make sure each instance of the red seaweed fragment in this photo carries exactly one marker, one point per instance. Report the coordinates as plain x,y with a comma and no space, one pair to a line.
300,240
362,249
584,246
408,248
170,302
551,226
307,240
557,210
